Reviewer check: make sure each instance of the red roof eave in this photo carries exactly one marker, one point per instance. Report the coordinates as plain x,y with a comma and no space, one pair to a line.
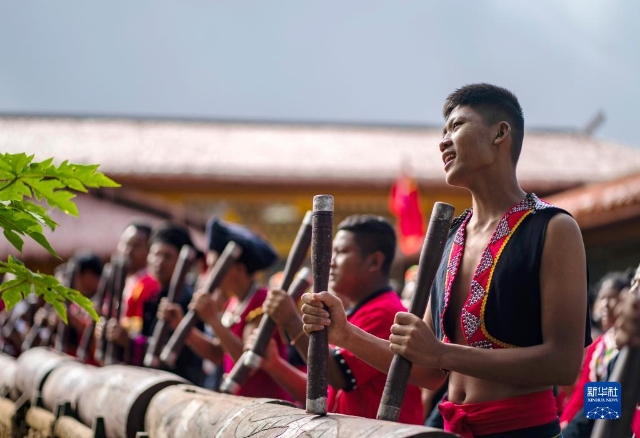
604,203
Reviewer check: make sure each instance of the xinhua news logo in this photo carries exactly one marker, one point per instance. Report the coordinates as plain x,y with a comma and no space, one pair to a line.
602,400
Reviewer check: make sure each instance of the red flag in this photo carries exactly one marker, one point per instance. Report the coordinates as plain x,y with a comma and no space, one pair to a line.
404,204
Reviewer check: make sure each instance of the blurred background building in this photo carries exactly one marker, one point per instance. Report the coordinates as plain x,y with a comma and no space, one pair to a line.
265,175
248,110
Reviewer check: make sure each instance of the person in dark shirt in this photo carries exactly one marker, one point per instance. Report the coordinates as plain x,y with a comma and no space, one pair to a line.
166,242
235,309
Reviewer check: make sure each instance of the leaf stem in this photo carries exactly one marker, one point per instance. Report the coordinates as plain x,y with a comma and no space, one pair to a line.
9,184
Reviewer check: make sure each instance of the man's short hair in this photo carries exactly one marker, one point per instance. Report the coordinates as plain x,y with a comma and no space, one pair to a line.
494,104
372,233
142,227
172,234
87,261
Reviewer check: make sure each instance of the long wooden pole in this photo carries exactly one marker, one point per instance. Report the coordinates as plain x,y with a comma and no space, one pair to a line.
252,359
101,342
186,259
432,250
71,270
114,353
318,353
87,336
172,350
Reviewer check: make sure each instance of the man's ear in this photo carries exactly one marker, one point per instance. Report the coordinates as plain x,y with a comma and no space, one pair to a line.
240,268
376,260
235,270
503,129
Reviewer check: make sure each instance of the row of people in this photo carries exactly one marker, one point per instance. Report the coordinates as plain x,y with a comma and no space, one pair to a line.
363,251
507,318
364,248
600,356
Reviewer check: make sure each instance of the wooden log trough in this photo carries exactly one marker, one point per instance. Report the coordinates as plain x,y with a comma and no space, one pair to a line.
187,411
48,383
8,367
8,394
65,384
34,366
121,394
73,400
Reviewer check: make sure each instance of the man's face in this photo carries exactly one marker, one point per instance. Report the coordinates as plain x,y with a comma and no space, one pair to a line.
134,245
229,281
608,298
466,145
349,269
162,261
87,283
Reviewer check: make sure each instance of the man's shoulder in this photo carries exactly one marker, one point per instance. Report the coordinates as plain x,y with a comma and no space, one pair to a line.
387,303
258,297
376,316
562,227
146,279
145,287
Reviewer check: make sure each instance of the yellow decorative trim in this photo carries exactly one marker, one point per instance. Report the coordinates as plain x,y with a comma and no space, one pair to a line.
446,277
446,282
255,313
486,295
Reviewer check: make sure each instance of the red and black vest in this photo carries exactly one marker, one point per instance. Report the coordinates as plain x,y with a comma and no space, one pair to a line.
503,307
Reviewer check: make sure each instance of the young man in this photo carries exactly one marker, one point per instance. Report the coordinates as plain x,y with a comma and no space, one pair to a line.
363,250
628,331
233,311
612,289
140,287
166,241
86,280
628,318
88,269
506,316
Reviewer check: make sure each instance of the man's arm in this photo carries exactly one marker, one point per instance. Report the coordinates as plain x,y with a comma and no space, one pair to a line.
208,308
367,347
205,346
200,343
281,308
293,380
564,301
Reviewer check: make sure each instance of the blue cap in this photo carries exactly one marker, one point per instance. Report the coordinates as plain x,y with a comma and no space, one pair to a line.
257,254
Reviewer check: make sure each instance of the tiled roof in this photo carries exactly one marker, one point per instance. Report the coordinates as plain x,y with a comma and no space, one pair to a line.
97,229
304,154
604,203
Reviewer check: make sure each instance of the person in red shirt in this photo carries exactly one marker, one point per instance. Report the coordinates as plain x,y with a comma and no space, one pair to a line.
140,287
627,334
88,269
612,290
628,330
234,310
363,250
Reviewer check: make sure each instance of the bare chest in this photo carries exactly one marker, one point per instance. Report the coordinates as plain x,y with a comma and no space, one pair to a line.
473,249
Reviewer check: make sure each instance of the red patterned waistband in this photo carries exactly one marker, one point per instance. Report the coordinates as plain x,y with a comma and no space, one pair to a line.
521,412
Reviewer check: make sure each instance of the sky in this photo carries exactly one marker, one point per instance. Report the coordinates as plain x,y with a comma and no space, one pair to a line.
361,61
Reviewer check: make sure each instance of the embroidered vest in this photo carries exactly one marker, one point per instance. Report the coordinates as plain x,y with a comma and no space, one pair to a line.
503,307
